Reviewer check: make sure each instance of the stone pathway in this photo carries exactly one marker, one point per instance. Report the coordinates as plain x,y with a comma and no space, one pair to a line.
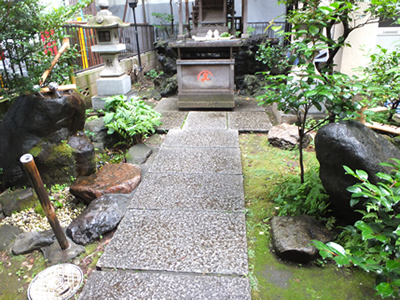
184,234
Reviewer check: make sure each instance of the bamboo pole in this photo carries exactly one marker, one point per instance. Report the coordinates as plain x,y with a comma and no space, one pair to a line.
64,47
34,176
60,88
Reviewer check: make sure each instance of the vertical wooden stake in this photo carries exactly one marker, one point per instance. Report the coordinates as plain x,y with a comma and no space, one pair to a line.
34,176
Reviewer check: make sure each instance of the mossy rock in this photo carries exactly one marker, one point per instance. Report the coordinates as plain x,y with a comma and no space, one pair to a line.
18,200
55,162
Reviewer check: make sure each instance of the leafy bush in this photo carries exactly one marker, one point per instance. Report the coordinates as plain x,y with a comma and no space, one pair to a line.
133,120
293,198
373,242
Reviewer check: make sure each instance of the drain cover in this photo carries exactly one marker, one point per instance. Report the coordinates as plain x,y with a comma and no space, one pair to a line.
56,282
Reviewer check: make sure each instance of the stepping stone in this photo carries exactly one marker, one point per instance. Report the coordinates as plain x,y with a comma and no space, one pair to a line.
111,179
249,121
202,138
206,120
190,191
179,241
171,120
198,160
248,104
167,104
142,285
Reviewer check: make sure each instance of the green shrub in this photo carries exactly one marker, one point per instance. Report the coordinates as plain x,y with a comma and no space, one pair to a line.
133,120
293,198
373,244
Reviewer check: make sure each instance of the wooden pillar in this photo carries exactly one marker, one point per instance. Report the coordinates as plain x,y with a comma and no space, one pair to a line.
245,35
144,11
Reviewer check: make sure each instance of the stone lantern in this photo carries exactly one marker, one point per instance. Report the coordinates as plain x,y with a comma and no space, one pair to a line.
113,80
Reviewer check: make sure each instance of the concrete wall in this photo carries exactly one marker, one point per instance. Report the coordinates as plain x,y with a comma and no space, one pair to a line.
86,80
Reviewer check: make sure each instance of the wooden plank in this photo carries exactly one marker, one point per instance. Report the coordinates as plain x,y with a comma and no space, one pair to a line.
384,127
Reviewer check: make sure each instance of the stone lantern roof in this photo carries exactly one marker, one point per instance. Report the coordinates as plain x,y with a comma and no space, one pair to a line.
105,19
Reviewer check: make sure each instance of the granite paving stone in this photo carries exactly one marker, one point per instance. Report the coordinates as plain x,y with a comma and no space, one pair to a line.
144,285
202,138
190,191
206,120
171,120
248,104
197,160
249,121
179,241
167,104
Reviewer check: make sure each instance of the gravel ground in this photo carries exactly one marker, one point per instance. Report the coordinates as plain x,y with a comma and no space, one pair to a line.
28,220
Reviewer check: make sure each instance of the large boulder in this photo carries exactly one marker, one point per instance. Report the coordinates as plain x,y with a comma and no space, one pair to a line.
291,237
102,215
166,56
38,126
111,179
28,242
352,144
166,85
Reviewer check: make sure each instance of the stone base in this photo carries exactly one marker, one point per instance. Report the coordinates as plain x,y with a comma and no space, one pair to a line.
109,86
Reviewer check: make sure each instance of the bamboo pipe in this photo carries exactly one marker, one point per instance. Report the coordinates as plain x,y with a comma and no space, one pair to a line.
64,47
60,88
30,166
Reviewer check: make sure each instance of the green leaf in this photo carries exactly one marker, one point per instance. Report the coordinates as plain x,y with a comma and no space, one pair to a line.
313,29
393,266
362,175
341,260
384,289
354,189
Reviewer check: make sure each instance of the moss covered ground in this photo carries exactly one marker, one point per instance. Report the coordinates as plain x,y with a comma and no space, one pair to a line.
264,167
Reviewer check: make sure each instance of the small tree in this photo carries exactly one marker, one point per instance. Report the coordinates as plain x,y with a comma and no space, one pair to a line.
384,73
309,84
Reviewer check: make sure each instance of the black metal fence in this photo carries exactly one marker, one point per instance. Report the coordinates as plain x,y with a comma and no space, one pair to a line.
85,38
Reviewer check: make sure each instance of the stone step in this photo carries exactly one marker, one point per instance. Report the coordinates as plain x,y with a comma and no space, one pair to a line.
190,192
197,160
179,241
202,138
143,285
206,120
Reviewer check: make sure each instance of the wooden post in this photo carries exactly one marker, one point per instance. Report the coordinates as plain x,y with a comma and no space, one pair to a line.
34,176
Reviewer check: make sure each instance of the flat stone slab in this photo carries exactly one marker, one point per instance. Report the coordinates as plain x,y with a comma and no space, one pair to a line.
249,121
171,120
179,241
143,285
202,138
190,191
206,120
198,160
248,104
167,104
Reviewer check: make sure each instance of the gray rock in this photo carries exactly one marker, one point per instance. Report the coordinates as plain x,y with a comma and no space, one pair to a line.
352,144
84,154
30,241
97,132
7,236
15,201
138,154
286,136
54,254
102,215
291,237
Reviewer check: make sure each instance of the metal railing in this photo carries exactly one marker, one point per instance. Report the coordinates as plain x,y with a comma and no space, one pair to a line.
85,38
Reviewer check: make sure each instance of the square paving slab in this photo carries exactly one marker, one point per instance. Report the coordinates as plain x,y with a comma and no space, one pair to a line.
171,120
197,160
202,138
249,121
167,104
143,285
248,104
190,191
179,241
206,120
